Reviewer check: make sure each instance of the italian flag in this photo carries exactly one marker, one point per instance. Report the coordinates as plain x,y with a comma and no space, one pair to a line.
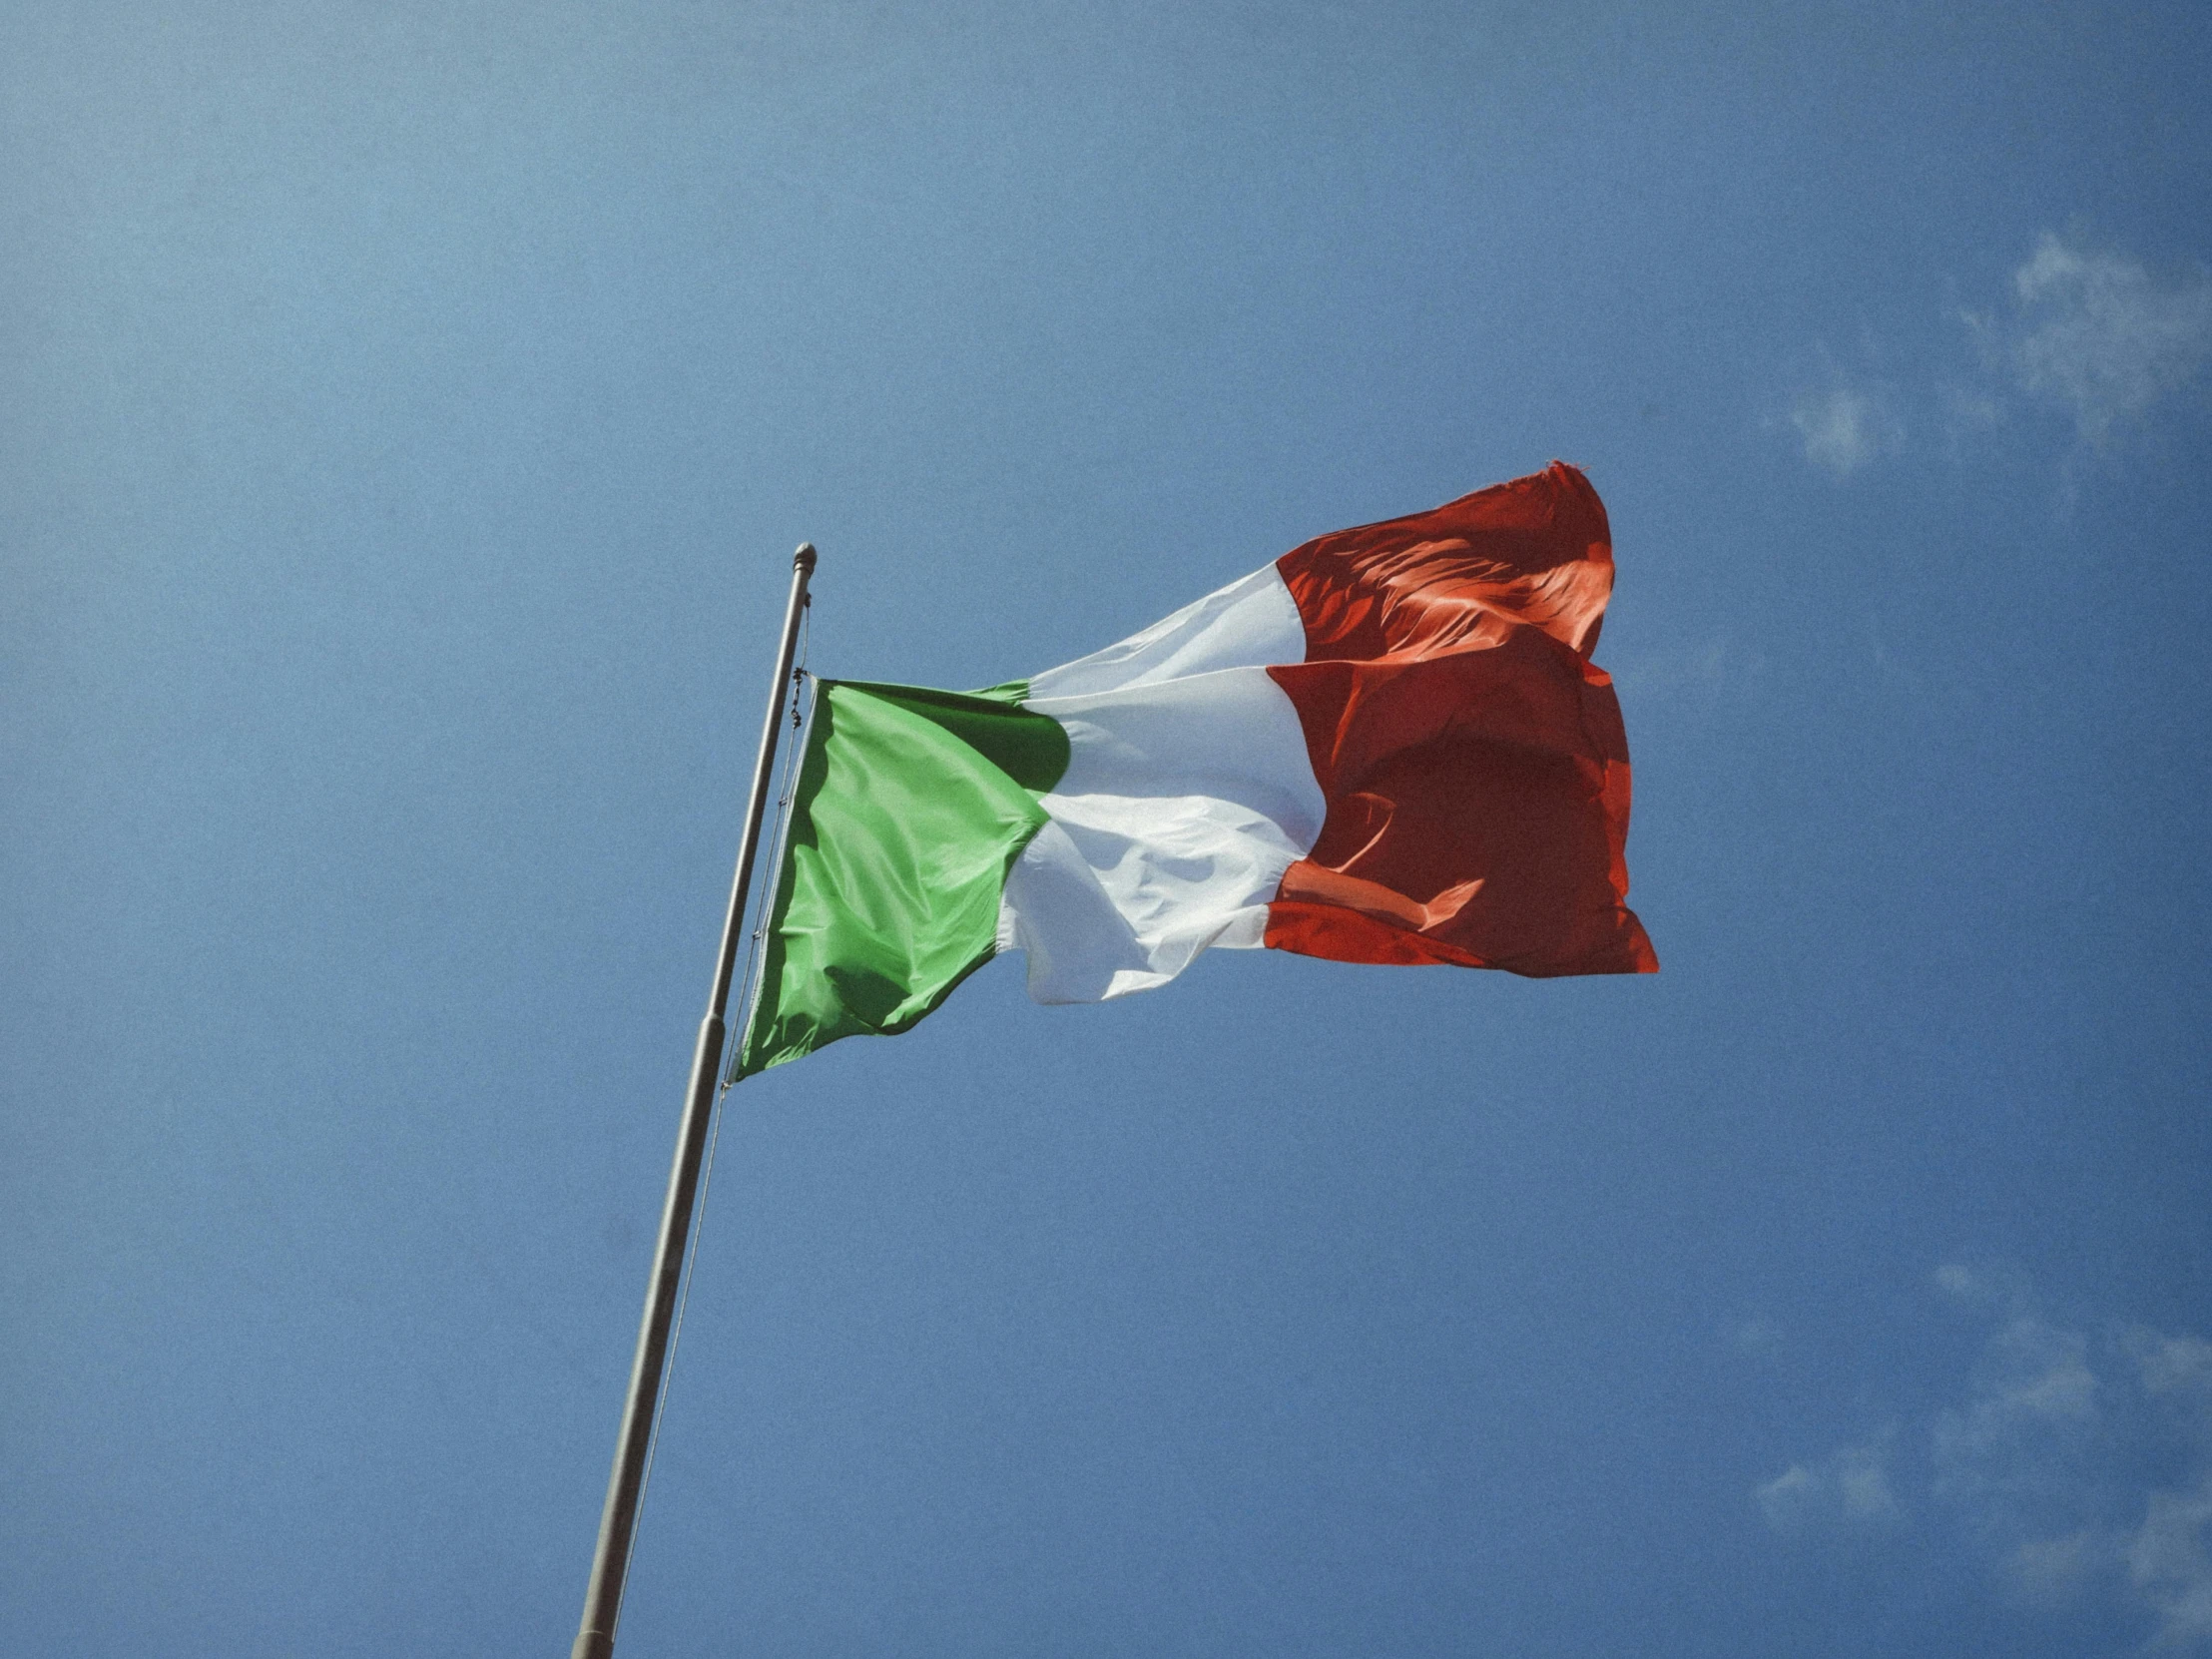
1389,746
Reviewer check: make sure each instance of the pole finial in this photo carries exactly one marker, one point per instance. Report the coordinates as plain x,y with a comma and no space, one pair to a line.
803,559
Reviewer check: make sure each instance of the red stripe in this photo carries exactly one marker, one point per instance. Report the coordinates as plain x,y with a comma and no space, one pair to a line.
1471,756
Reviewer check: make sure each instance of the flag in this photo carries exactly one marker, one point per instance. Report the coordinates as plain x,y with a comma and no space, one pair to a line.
1389,746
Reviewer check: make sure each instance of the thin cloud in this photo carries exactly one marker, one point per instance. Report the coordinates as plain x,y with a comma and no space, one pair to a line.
1695,672
2077,1464
2177,1368
2034,1409
2051,1572
1759,1336
1848,1489
1844,425
2097,336
2037,1462
2170,1567
2170,1562
2089,334
1958,1279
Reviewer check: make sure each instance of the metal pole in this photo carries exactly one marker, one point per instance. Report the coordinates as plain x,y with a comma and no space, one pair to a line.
619,1521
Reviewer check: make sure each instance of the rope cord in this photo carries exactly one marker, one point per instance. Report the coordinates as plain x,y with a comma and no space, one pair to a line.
800,679
748,985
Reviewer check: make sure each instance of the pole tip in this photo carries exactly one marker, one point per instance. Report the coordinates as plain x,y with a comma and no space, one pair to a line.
803,559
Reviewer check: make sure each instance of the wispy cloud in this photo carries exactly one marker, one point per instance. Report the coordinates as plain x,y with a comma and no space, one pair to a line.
1694,672
2169,1565
1849,1488
2097,335
2090,334
2168,1561
1844,421
2077,1464
2047,1461
2030,1413
1757,1335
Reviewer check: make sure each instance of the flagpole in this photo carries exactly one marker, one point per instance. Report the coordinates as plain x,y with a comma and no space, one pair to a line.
618,1521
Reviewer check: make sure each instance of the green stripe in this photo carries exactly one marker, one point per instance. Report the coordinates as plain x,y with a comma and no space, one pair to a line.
911,806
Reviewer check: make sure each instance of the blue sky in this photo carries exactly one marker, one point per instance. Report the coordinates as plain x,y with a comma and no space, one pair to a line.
410,413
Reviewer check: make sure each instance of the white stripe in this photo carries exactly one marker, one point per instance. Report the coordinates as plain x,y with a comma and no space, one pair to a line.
1251,622
1186,799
